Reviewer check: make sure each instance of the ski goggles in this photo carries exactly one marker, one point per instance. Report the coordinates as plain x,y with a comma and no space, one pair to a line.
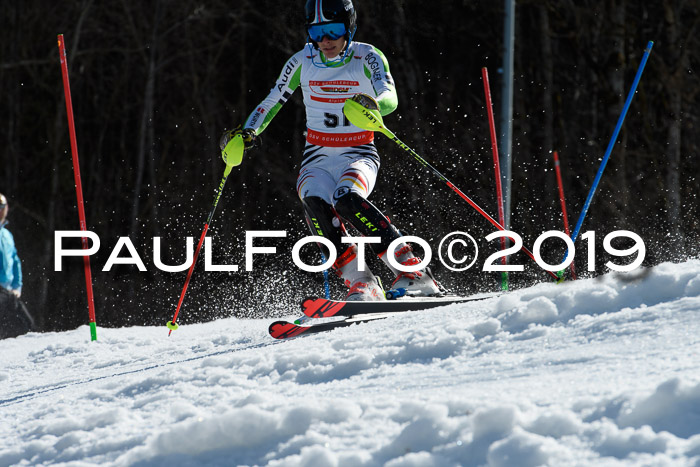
331,30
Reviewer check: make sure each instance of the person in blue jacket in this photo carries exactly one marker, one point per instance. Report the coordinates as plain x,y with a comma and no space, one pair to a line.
15,319
10,266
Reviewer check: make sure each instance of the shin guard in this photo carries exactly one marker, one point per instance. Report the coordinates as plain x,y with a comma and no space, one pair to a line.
367,219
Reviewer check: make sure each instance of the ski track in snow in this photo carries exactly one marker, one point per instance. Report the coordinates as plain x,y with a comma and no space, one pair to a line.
601,371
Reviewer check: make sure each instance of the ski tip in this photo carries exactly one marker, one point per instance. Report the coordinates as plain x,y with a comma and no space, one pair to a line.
308,300
275,329
315,307
284,329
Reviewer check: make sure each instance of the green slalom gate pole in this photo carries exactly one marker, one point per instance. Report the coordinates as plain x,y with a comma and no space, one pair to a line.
233,155
371,120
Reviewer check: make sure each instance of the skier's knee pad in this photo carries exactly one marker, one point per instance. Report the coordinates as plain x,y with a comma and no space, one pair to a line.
365,217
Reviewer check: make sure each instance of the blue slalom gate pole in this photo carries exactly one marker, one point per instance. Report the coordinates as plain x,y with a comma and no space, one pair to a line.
326,285
611,144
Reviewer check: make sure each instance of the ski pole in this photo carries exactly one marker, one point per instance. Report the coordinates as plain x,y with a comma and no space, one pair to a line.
496,167
371,120
78,184
562,200
233,154
611,144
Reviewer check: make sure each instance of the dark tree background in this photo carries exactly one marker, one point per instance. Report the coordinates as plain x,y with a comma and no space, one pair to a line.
155,83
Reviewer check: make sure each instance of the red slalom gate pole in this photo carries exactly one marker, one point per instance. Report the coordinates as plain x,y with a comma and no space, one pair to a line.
497,168
562,199
78,184
370,119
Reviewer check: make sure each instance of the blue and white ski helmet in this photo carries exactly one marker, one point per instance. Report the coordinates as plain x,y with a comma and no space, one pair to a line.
332,11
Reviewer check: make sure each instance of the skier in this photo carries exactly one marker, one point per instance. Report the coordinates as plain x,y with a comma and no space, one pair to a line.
340,161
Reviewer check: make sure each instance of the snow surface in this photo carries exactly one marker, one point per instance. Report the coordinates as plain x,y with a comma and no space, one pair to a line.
595,372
